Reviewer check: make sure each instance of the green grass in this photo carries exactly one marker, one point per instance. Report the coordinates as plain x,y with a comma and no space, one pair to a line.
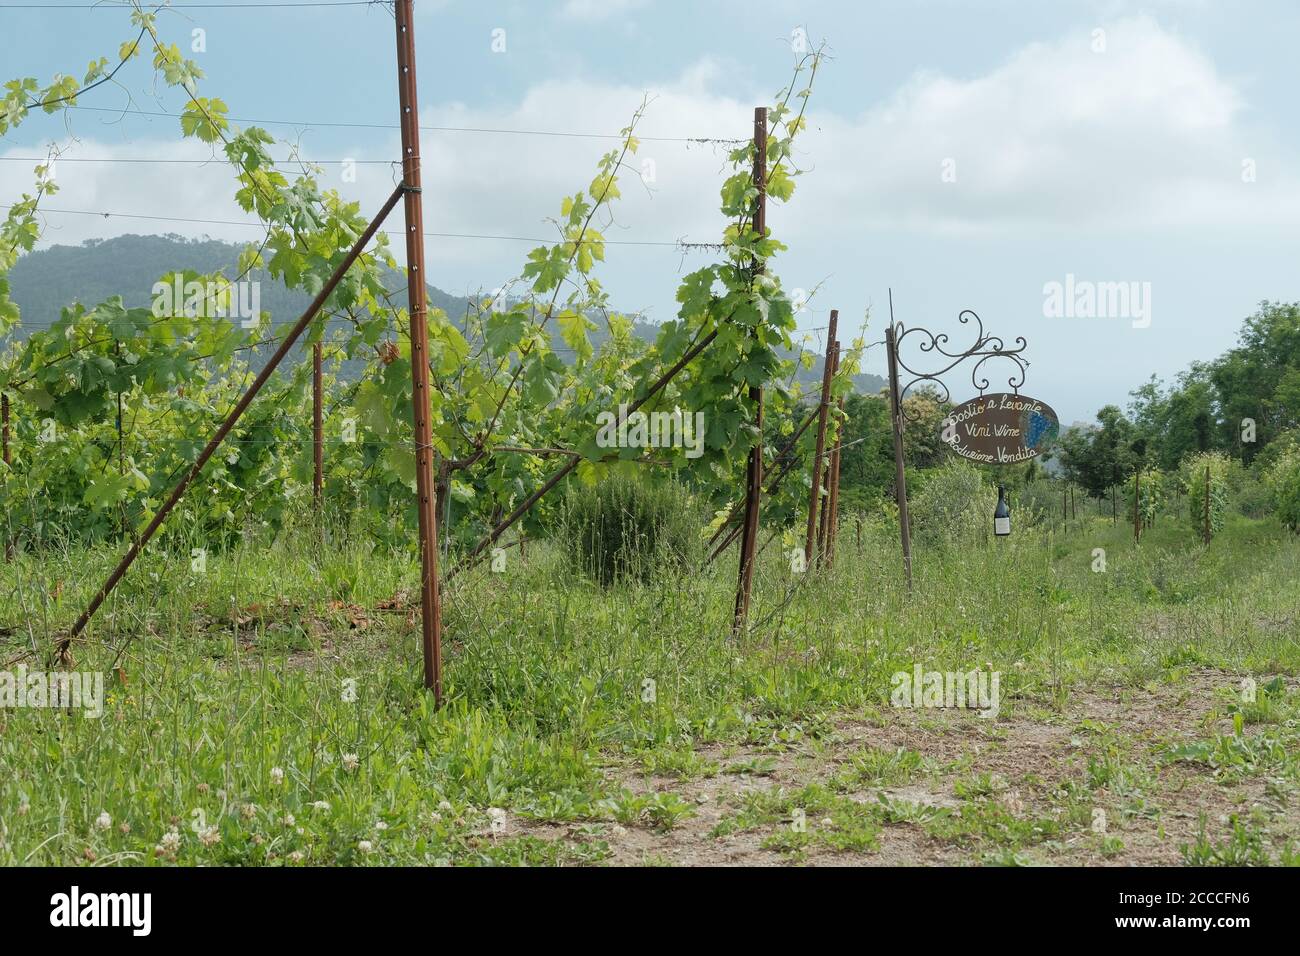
235,736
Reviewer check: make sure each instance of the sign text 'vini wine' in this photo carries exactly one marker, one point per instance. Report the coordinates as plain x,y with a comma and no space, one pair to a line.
1000,429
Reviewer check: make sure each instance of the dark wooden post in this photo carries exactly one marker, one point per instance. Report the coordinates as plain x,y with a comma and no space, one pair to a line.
823,519
832,525
900,479
823,412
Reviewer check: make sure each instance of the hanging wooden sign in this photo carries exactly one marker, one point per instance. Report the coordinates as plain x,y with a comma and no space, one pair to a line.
1000,429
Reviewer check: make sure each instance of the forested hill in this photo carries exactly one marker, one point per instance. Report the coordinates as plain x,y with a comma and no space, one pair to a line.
45,282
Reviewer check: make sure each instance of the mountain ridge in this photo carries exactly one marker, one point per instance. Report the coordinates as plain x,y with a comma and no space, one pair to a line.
44,282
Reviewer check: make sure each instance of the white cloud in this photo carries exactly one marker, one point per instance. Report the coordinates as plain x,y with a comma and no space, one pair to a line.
1145,135
164,190
1148,136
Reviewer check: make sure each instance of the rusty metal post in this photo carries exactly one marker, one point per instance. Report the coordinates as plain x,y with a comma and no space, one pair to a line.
754,471
900,478
731,527
417,300
285,345
823,411
317,426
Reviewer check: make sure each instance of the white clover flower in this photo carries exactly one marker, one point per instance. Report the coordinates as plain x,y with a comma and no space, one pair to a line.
365,846
296,856
381,825
209,836
103,821
277,775
289,820
248,811
171,841
351,762
444,806
320,805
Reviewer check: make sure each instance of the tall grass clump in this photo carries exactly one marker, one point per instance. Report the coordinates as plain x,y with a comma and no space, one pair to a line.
627,529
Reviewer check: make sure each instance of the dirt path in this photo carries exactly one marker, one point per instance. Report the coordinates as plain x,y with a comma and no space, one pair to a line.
938,786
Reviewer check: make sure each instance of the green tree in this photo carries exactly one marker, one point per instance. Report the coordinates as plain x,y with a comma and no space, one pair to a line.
1098,457
1255,380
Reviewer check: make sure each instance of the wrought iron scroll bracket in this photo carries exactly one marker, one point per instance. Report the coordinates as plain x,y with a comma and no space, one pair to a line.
985,348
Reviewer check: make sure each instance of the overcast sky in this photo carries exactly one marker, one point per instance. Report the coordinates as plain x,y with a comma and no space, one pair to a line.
967,154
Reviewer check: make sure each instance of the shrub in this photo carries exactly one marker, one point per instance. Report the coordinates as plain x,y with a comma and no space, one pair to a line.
1254,498
955,504
626,528
1284,483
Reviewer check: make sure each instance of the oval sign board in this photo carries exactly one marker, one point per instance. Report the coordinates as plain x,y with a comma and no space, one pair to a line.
1000,429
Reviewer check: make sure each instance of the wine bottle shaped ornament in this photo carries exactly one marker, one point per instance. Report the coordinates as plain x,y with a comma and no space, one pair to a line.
1002,514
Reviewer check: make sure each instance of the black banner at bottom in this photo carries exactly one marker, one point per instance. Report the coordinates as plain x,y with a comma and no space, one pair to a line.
336,906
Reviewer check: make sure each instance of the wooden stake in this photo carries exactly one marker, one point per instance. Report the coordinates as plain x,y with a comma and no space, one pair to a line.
900,479
823,411
832,524
833,359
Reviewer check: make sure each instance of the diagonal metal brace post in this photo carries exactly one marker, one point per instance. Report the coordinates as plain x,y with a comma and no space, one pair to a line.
179,491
